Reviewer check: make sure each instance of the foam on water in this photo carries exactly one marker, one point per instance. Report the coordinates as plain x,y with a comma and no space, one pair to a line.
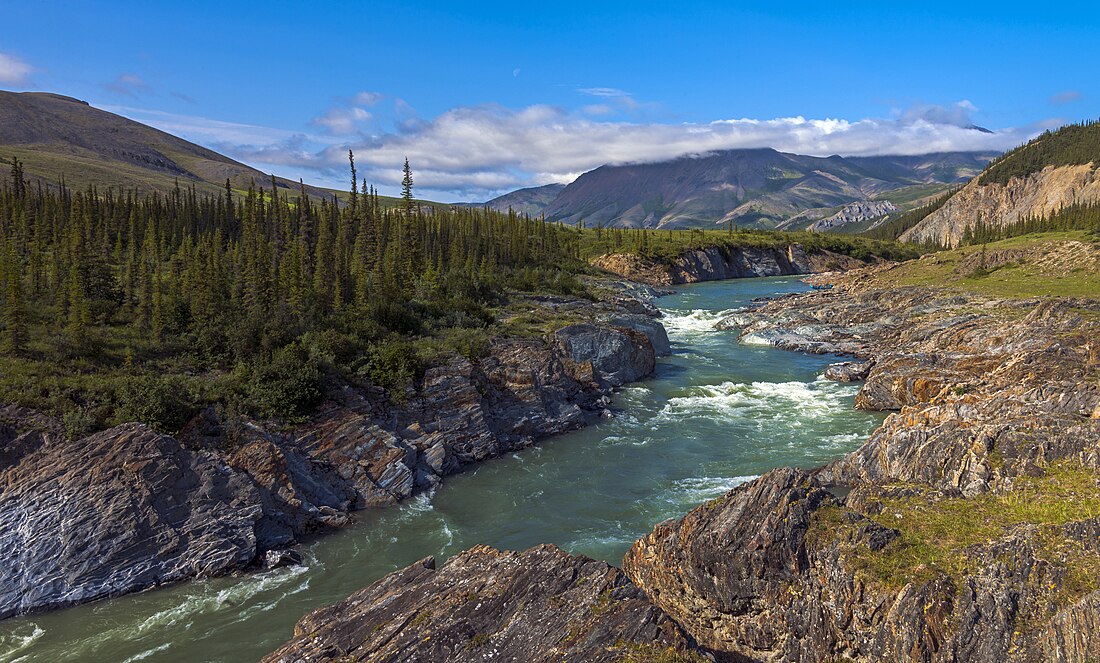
147,653
18,640
202,598
695,490
791,401
680,325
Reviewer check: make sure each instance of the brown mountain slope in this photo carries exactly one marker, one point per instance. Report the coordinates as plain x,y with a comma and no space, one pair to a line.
56,136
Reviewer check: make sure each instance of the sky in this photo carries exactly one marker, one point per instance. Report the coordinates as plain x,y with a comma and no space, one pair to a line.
487,97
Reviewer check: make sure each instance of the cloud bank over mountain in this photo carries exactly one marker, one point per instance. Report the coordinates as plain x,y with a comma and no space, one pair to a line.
476,152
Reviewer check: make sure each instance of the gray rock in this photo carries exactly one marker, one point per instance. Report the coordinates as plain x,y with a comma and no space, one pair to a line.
615,355
118,512
848,371
538,605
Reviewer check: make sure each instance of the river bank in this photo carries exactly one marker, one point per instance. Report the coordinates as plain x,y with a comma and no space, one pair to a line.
965,528
714,414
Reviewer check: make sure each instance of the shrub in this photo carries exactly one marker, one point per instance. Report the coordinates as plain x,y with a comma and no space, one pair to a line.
78,422
393,363
288,386
158,401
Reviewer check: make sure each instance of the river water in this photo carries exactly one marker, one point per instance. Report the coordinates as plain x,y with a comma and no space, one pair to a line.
716,414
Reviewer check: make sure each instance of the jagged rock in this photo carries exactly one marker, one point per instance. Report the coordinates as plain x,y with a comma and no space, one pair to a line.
617,356
848,371
715,263
484,604
653,330
117,512
274,559
298,493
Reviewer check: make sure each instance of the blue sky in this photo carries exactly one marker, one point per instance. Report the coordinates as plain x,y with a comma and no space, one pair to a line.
487,97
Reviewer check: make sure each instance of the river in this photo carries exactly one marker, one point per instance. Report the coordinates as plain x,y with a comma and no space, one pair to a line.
716,414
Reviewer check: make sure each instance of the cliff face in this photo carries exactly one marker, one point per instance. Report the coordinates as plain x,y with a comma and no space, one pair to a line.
539,605
717,263
127,508
961,530
1000,205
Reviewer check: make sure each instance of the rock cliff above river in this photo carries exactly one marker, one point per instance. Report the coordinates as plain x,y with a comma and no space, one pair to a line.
716,263
127,508
964,529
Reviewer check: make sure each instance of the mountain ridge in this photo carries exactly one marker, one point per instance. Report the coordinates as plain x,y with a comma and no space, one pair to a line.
758,187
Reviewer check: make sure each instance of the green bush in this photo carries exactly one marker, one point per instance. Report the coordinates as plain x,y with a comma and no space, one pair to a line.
394,363
78,422
160,402
288,386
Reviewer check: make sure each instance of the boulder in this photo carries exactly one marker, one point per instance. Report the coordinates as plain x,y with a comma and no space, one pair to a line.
539,605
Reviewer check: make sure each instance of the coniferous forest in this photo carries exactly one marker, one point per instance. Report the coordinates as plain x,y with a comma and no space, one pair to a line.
119,306
114,305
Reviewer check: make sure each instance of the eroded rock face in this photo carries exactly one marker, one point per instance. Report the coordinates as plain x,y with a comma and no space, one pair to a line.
484,604
117,512
991,394
1033,196
716,263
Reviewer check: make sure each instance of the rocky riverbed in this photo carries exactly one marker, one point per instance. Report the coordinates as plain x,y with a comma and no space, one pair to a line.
966,527
127,508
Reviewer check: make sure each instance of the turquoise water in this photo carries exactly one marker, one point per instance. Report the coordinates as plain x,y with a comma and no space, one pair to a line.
716,414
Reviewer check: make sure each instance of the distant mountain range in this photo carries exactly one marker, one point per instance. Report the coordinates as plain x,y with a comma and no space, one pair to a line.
757,187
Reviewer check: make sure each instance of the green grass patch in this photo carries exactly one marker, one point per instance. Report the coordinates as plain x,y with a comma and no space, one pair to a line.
1018,280
938,534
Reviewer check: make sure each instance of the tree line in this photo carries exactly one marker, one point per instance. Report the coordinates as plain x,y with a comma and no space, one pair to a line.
246,280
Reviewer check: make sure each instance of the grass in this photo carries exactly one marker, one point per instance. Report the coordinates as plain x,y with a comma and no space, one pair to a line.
1020,280
938,534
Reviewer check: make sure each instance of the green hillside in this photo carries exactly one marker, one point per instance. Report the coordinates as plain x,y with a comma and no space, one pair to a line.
1071,145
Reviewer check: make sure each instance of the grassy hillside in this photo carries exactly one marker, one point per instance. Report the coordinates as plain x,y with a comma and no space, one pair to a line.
1071,145
58,139
1059,264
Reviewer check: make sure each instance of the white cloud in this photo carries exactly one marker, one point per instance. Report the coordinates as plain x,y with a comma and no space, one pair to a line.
603,92
342,121
14,71
366,98
474,153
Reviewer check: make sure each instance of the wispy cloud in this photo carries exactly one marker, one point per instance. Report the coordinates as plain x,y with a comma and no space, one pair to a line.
473,153
603,92
127,85
342,121
14,71
1067,97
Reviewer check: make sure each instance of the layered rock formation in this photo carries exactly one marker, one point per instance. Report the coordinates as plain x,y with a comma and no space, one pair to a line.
538,605
717,263
117,512
964,529
1035,195
128,509
857,212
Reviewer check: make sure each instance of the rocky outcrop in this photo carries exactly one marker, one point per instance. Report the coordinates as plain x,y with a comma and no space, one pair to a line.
962,530
117,512
857,212
719,262
1033,196
136,509
484,604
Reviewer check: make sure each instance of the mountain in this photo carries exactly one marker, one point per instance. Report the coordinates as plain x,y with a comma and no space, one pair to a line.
531,201
57,136
1054,171
758,187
